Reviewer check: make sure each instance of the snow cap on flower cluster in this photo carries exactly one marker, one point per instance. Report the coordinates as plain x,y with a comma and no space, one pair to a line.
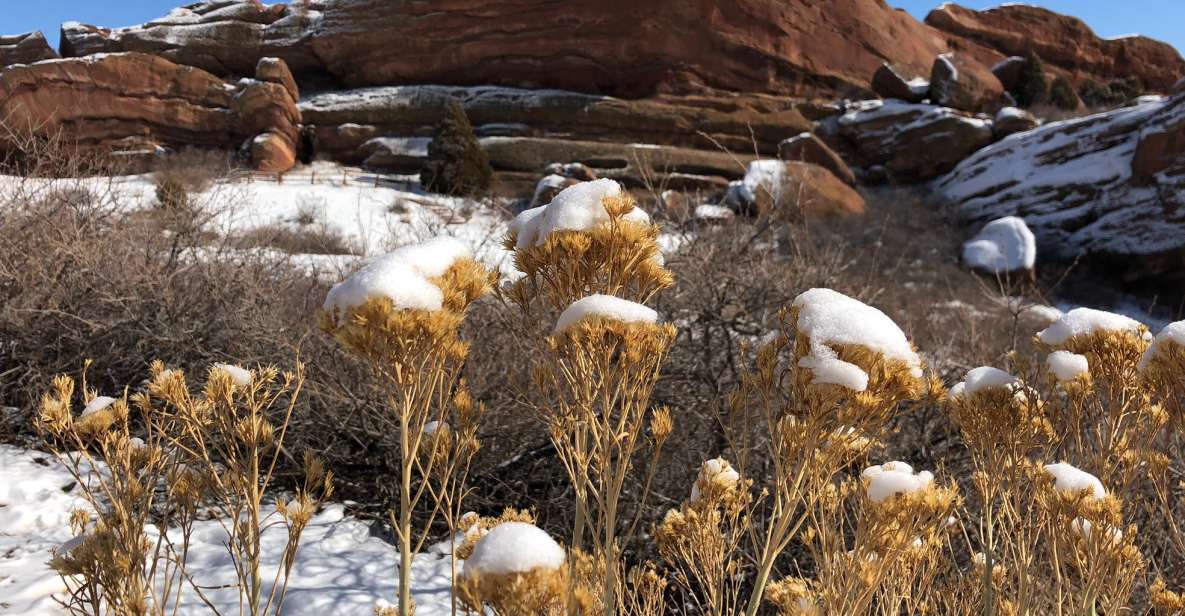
1070,479
401,276
1083,528
605,306
828,318
983,377
579,207
717,471
1067,366
1084,321
892,478
1172,333
96,404
1003,245
514,547
241,376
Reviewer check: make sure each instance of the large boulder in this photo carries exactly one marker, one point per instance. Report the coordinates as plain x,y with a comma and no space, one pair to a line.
959,82
808,148
25,49
617,47
911,143
1066,44
1011,120
140,103
344,120
1009,71
1085,188
793,189
888,83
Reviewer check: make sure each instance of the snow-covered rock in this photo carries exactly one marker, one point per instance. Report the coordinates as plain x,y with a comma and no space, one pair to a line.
514,547
1011,120
1086,321
1102,186
1002,246
605,306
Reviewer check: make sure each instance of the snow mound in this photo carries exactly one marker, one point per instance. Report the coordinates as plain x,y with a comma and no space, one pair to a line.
1085,321
579,207
828,318
1067,366
1041,312
1070,479
768,175
514,547
717,471
604,306
1003,245
241,376
97,404
893,478
401,276
981,378
1172,333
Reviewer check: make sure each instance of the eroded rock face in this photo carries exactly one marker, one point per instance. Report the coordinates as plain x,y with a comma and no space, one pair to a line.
910,142
1109,187
1066,44
138,103
342,122
25,49
617,47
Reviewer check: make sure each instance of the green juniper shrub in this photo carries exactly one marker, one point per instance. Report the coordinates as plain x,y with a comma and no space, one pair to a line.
1062,95
456,163
1032,88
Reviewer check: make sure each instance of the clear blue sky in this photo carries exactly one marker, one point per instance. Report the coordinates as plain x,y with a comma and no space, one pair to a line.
1160,19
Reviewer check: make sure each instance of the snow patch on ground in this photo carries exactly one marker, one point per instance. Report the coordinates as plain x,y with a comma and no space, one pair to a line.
1003,245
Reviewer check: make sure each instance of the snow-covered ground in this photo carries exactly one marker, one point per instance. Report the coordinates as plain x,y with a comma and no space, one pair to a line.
341,568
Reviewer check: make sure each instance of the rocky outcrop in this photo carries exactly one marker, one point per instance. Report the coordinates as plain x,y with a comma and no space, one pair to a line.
131,103
25,49
617,47
1008,71
808,148
960,83
1108,187
888,83
1066,44
341,122
910,143
1011,120
793,189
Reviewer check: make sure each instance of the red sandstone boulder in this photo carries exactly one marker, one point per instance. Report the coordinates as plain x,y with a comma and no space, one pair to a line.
1011,120
888,83
794,189
140,102
961,83
808,148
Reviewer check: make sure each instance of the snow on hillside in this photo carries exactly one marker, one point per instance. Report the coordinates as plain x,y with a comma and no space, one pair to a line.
341,569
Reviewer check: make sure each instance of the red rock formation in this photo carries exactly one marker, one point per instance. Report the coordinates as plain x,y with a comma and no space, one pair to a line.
619,47
138,102
25,49
1065,44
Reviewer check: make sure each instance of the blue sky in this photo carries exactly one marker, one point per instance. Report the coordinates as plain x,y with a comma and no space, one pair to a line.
1160,19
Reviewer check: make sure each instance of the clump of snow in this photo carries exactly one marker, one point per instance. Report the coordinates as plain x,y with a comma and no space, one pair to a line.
767,175
432,427
579,207
828,318
514,547
1172,333
835,371
1070,479
1083,528
1067,366
1040,312
893,478
713,212
718,472
604,306
1011,113
986,377
1085,321
98,403
241,376
1003,245
401,276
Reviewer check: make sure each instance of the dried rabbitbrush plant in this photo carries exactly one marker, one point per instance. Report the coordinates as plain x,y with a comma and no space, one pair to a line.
216,451
402,315
819,397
